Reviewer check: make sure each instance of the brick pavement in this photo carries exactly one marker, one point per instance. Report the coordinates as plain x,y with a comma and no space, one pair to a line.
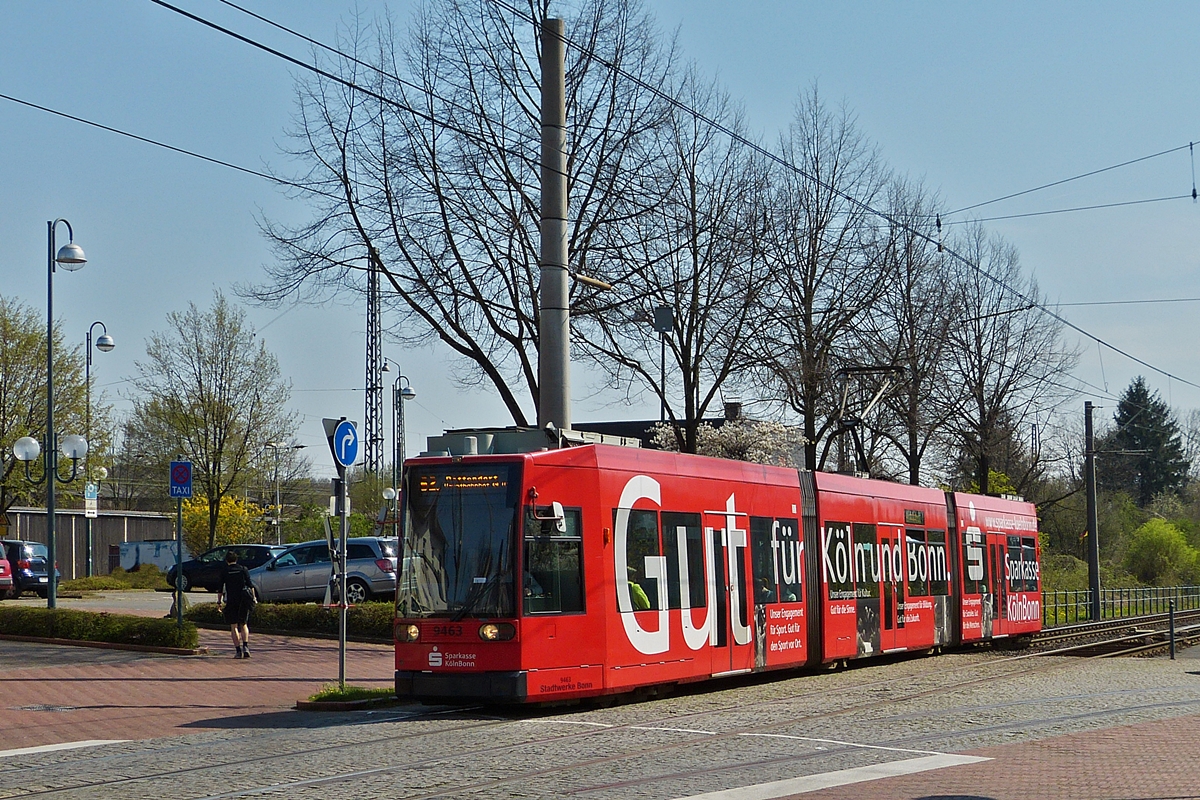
147,696
1153,760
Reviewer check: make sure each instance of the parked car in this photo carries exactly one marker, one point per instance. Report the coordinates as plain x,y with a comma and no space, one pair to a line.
205,571
6,579
303,571
27,561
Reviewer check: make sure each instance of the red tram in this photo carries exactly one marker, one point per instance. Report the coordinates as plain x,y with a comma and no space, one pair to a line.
641,567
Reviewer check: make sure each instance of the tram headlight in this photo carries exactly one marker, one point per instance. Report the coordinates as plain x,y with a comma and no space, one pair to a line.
497,631
408,633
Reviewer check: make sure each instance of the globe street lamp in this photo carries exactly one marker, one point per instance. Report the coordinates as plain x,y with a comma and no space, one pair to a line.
104,343
71,257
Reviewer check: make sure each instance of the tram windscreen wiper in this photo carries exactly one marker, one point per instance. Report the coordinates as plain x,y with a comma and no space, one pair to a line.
473,599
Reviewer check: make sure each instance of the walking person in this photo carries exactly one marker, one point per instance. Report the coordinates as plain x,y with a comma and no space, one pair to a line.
238,594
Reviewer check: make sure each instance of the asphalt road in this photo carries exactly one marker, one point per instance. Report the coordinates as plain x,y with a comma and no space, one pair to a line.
140,602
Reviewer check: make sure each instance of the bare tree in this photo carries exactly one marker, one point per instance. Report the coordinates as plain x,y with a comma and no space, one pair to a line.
696,250
434,171
210,393
1008,355
23,397
823,256
909,329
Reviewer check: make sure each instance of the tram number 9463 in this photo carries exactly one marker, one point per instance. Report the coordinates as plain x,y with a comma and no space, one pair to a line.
447,630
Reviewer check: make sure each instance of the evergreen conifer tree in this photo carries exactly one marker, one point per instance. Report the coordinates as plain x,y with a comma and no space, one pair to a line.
1143,456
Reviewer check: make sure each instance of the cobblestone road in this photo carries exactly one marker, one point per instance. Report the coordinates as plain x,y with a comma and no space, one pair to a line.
1051,728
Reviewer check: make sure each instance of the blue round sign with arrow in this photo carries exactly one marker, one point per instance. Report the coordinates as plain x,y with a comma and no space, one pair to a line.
345,443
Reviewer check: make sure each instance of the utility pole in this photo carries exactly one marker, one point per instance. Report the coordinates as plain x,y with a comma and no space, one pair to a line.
554,329
1089,482
373,433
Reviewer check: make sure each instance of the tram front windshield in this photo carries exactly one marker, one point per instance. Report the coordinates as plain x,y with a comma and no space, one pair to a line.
459,541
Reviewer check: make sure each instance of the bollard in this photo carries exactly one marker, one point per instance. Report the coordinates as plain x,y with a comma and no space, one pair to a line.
1171,627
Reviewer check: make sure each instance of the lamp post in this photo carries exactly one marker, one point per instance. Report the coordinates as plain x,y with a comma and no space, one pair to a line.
71,257
104,343
276,446
401,391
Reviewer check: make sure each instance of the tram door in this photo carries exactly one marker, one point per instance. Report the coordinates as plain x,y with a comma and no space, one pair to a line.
995,601
891,546
734,651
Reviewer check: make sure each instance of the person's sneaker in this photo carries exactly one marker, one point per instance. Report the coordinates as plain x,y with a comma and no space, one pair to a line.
239,652
245,651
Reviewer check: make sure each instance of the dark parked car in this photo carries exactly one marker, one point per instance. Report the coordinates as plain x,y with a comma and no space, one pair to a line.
303,572
205,572
28,563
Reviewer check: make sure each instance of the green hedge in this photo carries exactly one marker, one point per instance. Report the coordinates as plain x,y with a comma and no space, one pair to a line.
90,626
368,620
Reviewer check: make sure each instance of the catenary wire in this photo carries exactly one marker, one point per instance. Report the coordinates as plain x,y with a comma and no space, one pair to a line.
715,125
349,84
1066,210
1068,180
427,91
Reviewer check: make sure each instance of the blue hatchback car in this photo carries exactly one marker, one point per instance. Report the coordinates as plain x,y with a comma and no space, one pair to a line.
28,563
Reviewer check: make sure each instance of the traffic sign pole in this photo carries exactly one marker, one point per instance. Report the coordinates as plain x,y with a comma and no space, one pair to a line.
180,488
342,436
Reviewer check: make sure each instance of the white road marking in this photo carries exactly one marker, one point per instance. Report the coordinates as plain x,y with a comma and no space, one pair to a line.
51,748
841,743
576,722
671,730
841,777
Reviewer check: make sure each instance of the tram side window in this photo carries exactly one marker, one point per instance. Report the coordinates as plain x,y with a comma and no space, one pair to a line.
939,563
762,561
1016,581
866,560
917,563
838,577
642,541
1029,555
775,557
975,560
553,579
693,539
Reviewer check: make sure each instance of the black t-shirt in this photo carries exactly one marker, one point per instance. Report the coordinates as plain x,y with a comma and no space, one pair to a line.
234,580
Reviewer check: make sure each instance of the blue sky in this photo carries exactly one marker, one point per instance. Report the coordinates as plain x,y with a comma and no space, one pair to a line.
978,99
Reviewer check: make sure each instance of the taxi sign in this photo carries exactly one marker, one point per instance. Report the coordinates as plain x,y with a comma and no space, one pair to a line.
181,479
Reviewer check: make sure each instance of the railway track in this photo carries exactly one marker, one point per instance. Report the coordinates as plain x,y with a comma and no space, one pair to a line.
1147,634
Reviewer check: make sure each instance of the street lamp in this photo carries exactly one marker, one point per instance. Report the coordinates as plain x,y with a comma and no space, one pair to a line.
401,391
71,257
276,446
104,343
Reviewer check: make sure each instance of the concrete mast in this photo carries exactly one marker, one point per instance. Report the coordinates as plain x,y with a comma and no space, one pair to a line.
554,327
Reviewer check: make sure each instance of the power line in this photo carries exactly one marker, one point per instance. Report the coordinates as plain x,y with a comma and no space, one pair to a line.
349,84
1133,302
1068,180
1067,210
676,103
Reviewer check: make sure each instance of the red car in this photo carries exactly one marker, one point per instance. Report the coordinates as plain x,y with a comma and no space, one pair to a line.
6,576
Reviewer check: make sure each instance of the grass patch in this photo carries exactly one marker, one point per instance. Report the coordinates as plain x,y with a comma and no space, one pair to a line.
367,620
147,576
90,626
330,693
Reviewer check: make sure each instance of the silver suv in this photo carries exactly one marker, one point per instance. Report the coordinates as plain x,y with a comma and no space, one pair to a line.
303,571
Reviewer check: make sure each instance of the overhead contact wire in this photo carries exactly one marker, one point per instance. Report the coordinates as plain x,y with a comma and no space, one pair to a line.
847,197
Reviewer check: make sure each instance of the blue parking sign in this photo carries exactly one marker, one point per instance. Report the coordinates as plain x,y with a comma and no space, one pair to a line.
181,479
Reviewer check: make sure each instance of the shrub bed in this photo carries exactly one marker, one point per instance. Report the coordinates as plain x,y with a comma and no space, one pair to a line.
90,626
368,620
147,576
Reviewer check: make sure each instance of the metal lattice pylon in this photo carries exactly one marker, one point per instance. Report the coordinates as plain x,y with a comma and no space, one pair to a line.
372,437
